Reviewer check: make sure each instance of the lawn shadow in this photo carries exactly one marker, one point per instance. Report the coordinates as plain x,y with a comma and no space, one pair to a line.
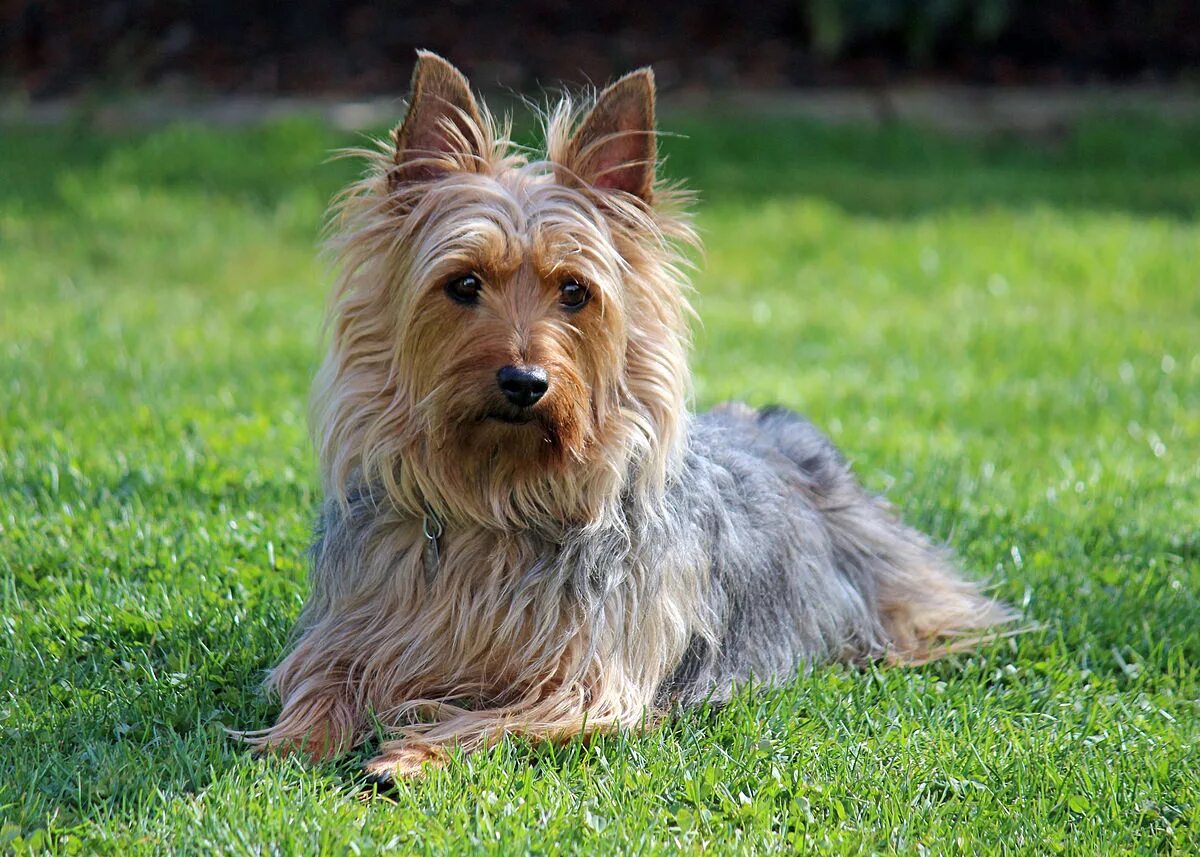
1140,165
1135,164
120,732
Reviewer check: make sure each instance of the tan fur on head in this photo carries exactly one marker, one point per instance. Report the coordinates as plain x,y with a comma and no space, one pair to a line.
404,391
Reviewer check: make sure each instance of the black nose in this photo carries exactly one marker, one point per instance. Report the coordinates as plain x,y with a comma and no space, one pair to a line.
523,385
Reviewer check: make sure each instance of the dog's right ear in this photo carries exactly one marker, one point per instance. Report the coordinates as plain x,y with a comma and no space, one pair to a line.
442,130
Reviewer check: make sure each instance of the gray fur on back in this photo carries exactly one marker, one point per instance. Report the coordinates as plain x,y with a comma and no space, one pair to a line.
798,552
796,559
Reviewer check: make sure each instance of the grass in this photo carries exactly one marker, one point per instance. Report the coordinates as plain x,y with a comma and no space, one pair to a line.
1002,336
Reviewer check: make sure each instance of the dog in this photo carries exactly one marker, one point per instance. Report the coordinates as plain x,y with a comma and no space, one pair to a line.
525,530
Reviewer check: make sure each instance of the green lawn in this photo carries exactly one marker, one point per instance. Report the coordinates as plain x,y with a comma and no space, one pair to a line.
1004,337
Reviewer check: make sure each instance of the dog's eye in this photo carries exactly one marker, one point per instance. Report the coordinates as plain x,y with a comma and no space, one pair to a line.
572,296
464,289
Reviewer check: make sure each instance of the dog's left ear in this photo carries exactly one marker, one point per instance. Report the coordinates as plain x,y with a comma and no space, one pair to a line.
615,146
442,129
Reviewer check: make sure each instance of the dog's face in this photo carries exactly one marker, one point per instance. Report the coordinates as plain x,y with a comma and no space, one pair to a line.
513,328
507,331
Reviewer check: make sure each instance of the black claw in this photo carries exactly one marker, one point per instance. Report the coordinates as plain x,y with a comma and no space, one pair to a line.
381,780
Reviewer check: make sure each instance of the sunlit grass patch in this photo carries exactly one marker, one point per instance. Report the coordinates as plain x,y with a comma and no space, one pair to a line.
1002,336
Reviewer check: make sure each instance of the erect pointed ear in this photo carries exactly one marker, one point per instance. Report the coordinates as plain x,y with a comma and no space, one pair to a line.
615,147
442,130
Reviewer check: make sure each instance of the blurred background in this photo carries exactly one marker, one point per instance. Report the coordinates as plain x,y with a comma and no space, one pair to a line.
50,48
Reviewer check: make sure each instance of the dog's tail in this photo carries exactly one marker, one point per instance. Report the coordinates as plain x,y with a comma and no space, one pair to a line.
927,607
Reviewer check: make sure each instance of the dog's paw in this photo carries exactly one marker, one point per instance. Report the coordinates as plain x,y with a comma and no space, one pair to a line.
402,762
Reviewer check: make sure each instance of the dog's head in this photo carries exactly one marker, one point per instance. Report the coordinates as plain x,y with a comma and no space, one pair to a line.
509,333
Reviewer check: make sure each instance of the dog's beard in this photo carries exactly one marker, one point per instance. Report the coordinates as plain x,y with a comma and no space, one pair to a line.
494,441
495,462
527,436
481,430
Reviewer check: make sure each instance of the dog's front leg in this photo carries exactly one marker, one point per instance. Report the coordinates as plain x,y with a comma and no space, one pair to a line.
320,715
567,713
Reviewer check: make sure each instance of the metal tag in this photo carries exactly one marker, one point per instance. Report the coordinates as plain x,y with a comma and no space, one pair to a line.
432,528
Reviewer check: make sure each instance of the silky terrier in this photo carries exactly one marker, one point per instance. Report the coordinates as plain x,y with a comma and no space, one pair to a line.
526,531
